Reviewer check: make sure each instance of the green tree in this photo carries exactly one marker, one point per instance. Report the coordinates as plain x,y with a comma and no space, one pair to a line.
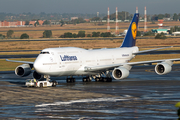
138,33
24,36
36,23
167,15
89,35
62,36
95,34
47,34
2,36
160,16
68,35
95,19
175,17
81,34
77,21
62,23
9,33
46,22
106,34
74,35
174,29
149,33
160,36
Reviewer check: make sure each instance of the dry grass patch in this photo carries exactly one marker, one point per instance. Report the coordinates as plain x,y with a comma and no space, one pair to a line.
10,66
36,32
87,44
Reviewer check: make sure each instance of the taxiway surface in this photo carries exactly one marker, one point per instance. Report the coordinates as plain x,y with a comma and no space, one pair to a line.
143,95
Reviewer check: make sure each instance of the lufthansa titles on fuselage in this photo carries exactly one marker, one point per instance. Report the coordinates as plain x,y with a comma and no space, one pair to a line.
68,58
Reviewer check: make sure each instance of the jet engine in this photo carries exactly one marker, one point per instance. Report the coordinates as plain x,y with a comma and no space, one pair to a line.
23,70
37,76
163,68
120,73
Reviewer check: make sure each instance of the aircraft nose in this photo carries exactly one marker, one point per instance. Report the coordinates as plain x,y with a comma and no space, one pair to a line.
38,66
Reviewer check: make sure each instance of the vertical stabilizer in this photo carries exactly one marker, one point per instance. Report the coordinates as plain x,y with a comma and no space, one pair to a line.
130,38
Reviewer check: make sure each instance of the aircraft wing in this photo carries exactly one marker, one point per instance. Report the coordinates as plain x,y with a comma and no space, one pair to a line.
152,61
26,62
112,66
148,51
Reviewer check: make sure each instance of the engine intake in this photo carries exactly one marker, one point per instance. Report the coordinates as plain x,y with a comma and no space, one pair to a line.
163,68
23,70
120,73
37,76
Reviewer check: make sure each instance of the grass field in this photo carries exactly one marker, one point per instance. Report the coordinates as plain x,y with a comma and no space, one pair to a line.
57,30
87,44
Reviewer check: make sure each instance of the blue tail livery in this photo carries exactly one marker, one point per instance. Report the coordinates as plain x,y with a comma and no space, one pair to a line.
130,38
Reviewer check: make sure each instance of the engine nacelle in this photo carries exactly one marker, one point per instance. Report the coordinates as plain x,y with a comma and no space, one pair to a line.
23,70
37,76
163,68
120,73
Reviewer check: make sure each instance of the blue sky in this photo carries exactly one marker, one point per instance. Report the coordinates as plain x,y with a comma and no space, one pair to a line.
89,6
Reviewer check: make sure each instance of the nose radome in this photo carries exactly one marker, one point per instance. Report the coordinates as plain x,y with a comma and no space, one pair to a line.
37,65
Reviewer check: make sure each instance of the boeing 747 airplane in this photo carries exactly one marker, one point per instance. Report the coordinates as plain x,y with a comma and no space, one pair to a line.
72,61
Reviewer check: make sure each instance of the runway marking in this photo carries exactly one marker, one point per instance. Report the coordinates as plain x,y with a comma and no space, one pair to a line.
127,97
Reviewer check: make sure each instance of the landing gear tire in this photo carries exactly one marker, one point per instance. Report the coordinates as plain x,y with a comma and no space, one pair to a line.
103,79
86,79
54,83
70,80
97,79
109,80
41,85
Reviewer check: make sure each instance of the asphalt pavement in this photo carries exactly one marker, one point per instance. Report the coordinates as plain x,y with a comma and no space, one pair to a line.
143,95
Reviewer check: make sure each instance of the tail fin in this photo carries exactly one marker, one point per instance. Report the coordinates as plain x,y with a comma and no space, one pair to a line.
130,38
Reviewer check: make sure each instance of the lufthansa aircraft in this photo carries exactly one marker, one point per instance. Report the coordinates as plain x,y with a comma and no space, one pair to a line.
72,61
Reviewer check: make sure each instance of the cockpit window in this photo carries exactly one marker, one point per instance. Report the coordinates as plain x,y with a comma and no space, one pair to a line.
44,52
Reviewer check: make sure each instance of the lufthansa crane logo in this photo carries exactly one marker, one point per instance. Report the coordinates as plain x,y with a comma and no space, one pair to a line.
134,30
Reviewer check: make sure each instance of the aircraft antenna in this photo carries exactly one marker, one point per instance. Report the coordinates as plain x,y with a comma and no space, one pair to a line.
117,21
108,25
145,20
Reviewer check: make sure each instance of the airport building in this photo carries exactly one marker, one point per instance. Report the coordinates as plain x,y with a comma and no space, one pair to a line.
176,33
165,31
11,24
18,23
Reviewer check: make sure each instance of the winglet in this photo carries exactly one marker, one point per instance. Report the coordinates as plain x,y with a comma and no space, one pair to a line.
130,38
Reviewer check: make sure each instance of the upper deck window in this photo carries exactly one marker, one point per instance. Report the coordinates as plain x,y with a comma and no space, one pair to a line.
44,52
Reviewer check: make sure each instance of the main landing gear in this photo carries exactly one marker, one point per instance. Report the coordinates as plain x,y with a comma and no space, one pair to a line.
70,80
107,77
98,78
88,79
103,79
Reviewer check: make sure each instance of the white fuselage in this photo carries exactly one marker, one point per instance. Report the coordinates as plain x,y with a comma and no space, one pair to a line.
71,61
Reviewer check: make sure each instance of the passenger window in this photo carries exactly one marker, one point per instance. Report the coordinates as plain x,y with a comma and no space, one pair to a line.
44,53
